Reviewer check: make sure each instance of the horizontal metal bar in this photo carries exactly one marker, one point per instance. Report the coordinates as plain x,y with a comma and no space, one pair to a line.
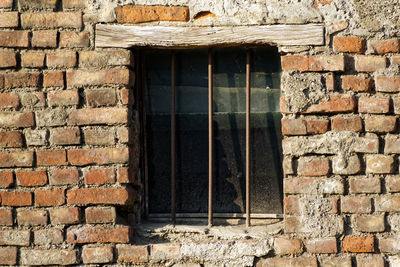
218,215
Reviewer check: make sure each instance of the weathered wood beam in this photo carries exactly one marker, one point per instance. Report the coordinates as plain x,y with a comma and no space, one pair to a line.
184,37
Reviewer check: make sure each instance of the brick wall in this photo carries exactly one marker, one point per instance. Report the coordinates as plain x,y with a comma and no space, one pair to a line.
69,184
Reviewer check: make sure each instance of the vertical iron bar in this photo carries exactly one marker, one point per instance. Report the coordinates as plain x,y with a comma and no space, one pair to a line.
173,141
210,138
248,52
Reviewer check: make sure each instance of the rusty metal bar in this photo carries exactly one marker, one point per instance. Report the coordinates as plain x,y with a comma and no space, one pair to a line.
210,138
248,101
173,141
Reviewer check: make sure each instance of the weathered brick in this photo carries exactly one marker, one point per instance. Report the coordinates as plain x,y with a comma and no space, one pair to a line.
69,4
283,262
358,244
9,20
396,104
63,216
6,218
387,203
18,237
99,176
395,59
99,136
98,234
64,177
32,60
379,164
14,38
93,116
380,124
353,123
373,105
16,159
63,59
53,79
126,96
6,179
11,139
369,63
342,261
103,254
388,84
313,166
74,39
164,251
393,183
9,100
125,175
46,198
98,156
21,79
384,46
8,59
102,97
100,215
65,136
124,135
356,83
392,144
35,137
48,257
101,59
34,99
32,217
288,246
313,186
51,20
291,205
389,245
84,196
336,104
370,223
132,254
350,204
37,4
6,3
321,245
44,38
346,166
79,78
63,98
51,158
129,14
8,255
48,237
370,260
294,127
348,44
361,185
31,178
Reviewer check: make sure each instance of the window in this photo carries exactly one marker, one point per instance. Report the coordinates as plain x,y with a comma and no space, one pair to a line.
178,185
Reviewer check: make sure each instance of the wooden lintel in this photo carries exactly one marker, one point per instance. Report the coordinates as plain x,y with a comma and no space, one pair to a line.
184,37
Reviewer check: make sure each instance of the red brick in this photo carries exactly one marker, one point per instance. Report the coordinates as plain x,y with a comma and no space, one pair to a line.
65,136
350,204
349,44
15,237
9,100
8,59
52,20
51,158
369,63
100,215
46,198
312,166
32,217
8,256
63,216
353,123
284,246
74,39
356,83
132,254
31,178
54,257
44,38
358,244
336,104
53,79
395,59
295,62
370,223
385,46
98,156
102,97
326,63
101,59
14,38
99,176
11,139
364,185
69,4
330,82
64,177
373,105
103,254
98,234
84,196
380,124
388,84
6,218
16,159
63,98
21,79
6,3
32,60
80,78
321,245
130,14
6,179
63,59
125,175
126,96
294,127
